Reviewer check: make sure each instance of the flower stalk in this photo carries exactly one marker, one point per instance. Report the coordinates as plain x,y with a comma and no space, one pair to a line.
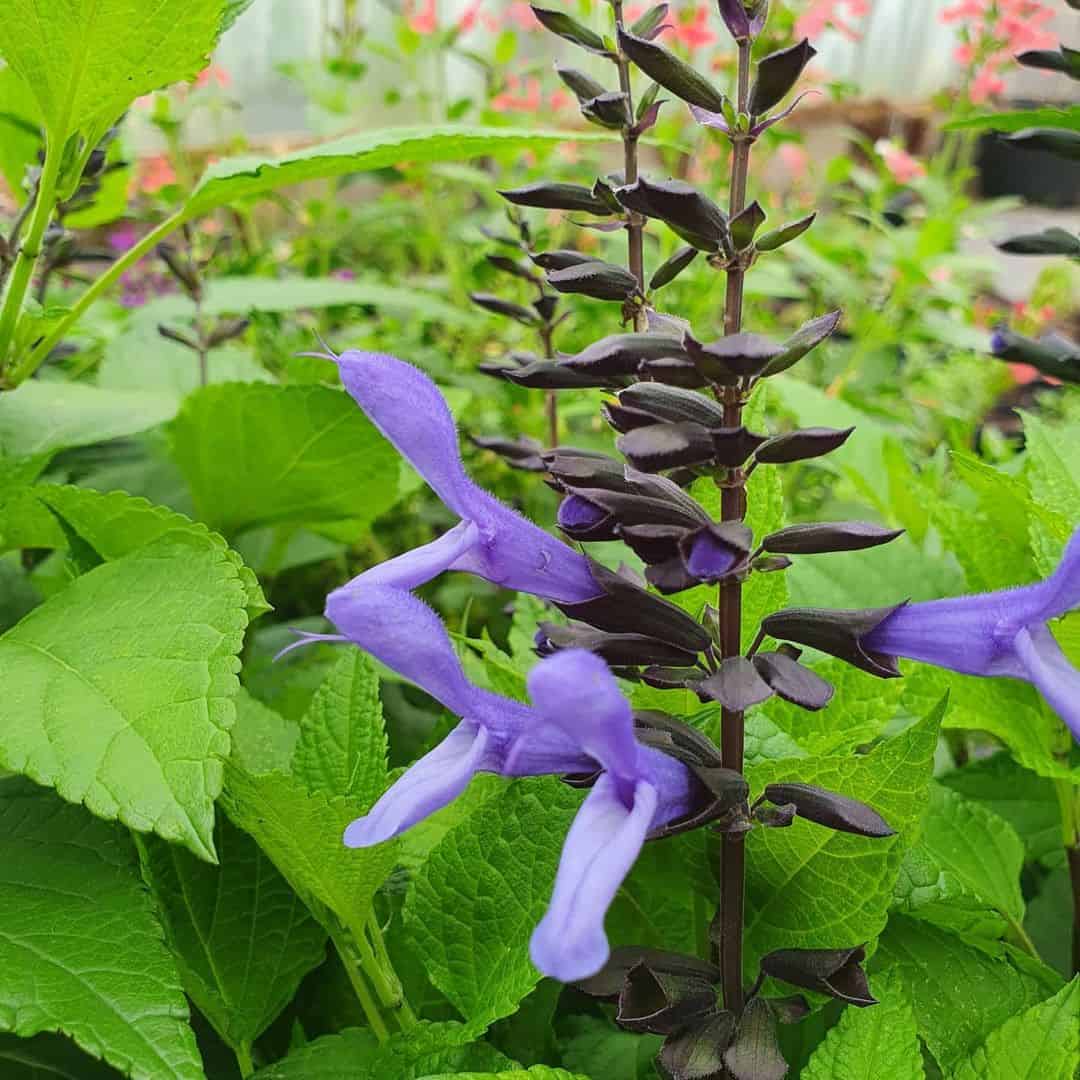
635,229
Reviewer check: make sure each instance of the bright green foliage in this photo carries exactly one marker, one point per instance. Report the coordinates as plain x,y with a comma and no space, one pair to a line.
242,938
263,740
959,993
964,871
255,454
86,61
809,887
597,1048
342,746
354,1054
118,690
1054,475
474,903
81,949
537,1072
234,178
878,1043
49,1057
1041,1043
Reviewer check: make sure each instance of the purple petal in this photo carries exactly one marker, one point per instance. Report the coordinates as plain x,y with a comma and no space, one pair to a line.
710,119
576,693
600,849
735,18
431,783
578,513
420,565
1049,669
1060,592
710,558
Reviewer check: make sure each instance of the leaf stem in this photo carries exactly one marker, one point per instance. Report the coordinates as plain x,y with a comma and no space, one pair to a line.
29,249
354,969
380,970
243,1059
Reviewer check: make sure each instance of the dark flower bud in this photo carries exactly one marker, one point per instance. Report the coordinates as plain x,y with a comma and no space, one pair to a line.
736,685
744,18
1058,141
605,189
549,195
558,22
546,306
838,633
754,1053
622,354
661,1002
623,419
1052,354
666,446
559,260
182,270
768,564
718,550
672,404
497,306
512,267
665,68
817,537
745,224
793,682
653,543
619,650
673,371
777,238
609,110
801,445
610,980
227,330
734,356
829,809
777,73
552,375
600,280
1065,60
672,267
583,87
521,453
697,1052
648,25
807,337
662,678
829,971
586,522
696,218
1053,241
171,334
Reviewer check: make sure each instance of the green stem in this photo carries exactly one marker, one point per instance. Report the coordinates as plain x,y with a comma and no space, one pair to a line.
243,1059
34,359
352,964
1022,936
381,962
29,249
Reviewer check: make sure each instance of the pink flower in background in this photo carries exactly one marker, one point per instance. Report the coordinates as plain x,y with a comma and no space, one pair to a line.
560,99
695,33
795,159
123,237
155,173
213,73
519,14
899,162
823,14
344,274
517,97
468,18
426,20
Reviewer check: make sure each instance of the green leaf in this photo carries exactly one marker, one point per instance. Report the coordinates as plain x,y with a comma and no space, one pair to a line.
242,938
301,832
49,1057
41,417
1041,1043
473,906
354,1054
230,179
879,1042
959,993
326,463
86,61
1018,121
1028,802
597,1048
537,1072
342,746
20,131
233,10
964,871
81,950
118,690
809,887
1054,475
763,593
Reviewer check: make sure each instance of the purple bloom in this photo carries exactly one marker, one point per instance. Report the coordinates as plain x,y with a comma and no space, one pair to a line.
744,18
579,722
996,633
492,541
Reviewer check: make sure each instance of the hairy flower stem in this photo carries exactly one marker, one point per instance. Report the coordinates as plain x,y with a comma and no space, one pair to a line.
353,965
551,398
635,229
728,923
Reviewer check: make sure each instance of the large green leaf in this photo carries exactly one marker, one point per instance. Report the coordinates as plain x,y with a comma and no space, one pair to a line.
20,131
473,905
118,690
301,832
964,871
41,417
594,1046
86,61
1041,1043
879,1043
342,746
255,454
49,1057
355,1055
233,178
537,1072
1054,475
960,993
81,949
809,887
242,938
1018,121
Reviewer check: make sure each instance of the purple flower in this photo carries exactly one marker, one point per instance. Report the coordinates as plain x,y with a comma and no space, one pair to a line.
744,18
491,541
579,722
996,633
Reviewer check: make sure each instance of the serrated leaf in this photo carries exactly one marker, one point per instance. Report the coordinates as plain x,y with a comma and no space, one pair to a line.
1054,475
86,61
963,873
234,178
326,463
880,1042
959,993
354,1054
1041,1043
301,832
242,938
342,746
473,905
263,740
118,690
809,887
82,951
